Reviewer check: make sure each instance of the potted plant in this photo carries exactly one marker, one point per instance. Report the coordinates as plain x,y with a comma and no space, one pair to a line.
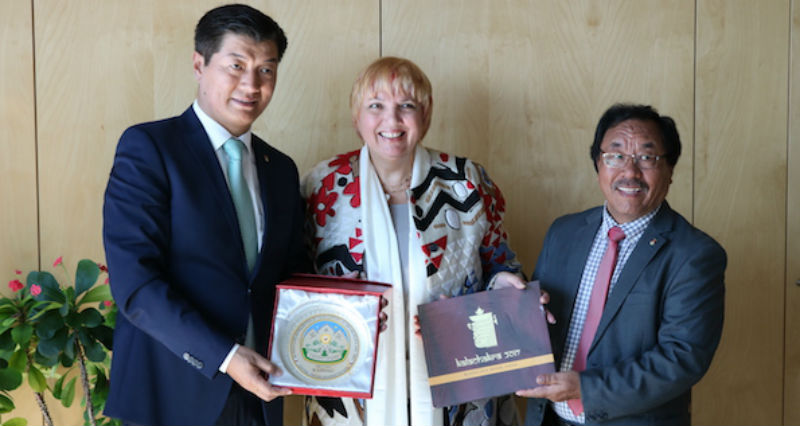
46,329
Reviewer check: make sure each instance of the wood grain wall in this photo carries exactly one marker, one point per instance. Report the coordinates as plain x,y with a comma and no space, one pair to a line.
518,86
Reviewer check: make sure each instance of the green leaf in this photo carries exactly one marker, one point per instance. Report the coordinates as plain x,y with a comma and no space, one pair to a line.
49,323
50,289
10,379
6,404
6,310
66,361
69,347
16,421
18,361
104,334
69,293
85,276
42,307
91,318
58,387
6,342
73,320
50,348
100,391
36,379
44,361
94,351
97,294
22,334
68,395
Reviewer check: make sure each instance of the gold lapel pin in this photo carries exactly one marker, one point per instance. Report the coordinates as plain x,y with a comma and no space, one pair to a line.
653,242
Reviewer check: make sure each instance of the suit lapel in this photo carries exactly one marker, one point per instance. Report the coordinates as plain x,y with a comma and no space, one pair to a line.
654,237
198,145
262,160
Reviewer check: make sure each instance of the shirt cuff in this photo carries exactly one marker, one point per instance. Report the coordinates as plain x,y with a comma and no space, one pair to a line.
223,368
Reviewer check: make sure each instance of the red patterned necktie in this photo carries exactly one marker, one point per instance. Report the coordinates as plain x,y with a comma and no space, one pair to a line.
596,304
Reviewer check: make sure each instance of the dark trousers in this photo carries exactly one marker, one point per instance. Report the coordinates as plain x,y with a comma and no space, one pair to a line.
242,408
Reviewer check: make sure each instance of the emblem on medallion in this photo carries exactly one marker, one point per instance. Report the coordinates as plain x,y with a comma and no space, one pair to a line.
482,326
323,342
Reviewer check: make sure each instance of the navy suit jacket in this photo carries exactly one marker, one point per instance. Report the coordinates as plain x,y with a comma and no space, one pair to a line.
661,324
179,274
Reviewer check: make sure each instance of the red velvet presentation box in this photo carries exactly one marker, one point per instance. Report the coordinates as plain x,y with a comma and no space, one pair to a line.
325,335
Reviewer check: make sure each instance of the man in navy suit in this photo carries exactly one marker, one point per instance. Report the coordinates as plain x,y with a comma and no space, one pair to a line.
197,236
633,357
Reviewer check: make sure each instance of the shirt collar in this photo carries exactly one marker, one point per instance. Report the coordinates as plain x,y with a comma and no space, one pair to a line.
217,134
632,229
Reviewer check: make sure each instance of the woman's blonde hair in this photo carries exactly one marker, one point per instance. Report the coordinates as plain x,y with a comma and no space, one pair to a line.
394,75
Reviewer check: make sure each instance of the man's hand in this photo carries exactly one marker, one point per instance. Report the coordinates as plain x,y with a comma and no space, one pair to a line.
556,387
250,370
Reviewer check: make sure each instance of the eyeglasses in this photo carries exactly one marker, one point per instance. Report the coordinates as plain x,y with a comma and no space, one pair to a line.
618,160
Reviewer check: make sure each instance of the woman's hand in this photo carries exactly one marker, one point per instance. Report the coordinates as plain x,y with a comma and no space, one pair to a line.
506,279
383,317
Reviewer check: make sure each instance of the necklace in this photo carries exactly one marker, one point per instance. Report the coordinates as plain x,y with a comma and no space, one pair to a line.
400,187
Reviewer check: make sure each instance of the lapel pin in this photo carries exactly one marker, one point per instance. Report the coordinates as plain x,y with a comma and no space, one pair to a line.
266,158
653,242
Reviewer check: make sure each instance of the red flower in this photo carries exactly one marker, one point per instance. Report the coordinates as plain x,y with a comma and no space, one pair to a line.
108,303
57,262
36,290
102,267
353,189
15,285
343,162
17,271
322,203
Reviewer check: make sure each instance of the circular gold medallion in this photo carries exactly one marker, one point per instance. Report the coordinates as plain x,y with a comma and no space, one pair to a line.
323,342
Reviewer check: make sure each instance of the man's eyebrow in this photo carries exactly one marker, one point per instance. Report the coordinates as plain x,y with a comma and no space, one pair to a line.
241,56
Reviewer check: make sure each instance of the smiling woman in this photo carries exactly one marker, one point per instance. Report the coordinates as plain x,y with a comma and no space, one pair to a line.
425,221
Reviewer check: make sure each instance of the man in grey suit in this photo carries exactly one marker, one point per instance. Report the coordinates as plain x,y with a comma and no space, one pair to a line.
638,291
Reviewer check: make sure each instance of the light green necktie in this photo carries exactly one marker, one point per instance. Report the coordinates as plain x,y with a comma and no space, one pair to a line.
241,199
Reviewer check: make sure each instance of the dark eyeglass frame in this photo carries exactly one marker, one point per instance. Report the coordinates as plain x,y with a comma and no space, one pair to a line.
642,161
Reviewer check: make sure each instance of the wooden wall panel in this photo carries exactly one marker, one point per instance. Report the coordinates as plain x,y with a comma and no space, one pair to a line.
555,67
450,43
19,236
791,374
740,199
520,85
18,224
94,63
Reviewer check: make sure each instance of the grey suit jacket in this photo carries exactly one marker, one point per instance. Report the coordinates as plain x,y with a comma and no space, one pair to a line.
661,324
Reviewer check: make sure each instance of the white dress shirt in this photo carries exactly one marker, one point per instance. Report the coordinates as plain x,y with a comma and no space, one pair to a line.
218,135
